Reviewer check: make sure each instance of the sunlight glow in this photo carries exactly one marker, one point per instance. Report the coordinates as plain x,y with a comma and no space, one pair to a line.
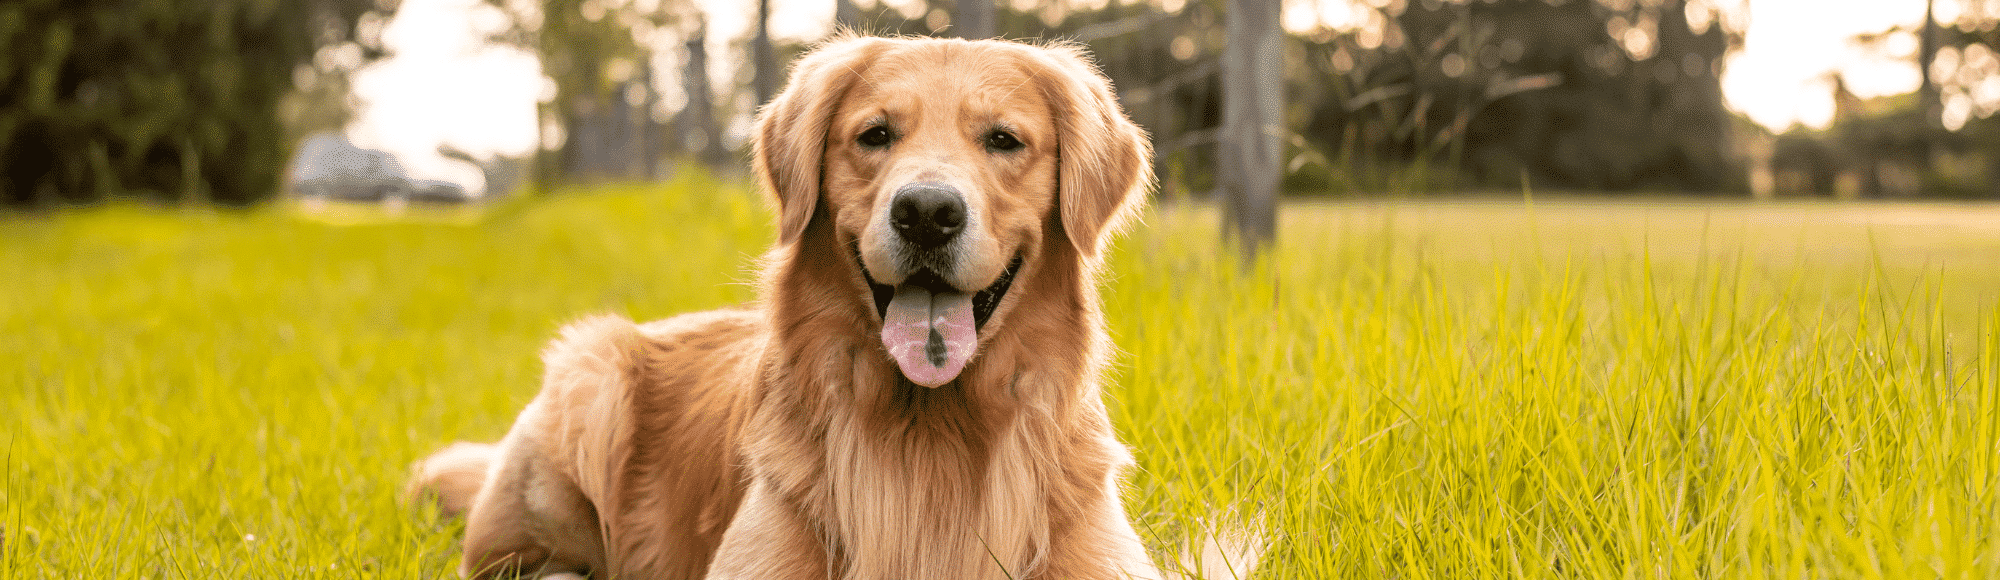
1783,74
444,85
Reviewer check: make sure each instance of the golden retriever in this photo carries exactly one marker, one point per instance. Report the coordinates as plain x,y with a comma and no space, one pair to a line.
916,394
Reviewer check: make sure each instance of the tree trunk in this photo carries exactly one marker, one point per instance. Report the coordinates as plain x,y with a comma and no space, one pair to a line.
766,75
649,142
1928,97
1682,72
975,19
846,14
1249,147
698,127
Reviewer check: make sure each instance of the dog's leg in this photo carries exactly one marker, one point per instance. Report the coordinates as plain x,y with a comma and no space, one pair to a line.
530,517
1099,545
769,540
1219,551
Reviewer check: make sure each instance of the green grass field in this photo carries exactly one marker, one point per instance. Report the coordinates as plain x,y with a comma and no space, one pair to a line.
1477,389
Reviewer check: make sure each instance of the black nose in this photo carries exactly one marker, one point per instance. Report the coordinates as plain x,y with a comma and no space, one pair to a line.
927,214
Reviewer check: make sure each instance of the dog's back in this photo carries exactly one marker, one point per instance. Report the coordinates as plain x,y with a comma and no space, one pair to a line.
573,490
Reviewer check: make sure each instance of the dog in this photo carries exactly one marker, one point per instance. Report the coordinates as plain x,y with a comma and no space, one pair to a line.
916,393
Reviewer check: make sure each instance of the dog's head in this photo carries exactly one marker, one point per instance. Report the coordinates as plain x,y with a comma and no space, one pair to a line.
941,166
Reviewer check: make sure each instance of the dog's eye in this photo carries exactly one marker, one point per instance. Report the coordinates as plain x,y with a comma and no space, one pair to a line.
875,137
1000,140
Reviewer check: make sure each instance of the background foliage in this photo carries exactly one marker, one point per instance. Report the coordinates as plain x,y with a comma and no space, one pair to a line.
171,100
159,99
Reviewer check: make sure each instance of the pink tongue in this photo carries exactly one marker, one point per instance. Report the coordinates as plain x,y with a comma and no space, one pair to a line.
930,335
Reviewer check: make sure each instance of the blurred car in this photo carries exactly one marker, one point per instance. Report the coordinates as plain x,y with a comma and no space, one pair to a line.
331,168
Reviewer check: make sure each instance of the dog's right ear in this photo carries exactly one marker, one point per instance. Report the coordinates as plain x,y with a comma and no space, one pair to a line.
790,141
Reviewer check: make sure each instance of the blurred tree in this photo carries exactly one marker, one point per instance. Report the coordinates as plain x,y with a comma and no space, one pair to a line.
1940,140
1248,162
700,134
1435,94
1573,94
1803,164
762,57
159,99
1929,98
846,14
606,111
1957,138
1424,94
1165,66
974,19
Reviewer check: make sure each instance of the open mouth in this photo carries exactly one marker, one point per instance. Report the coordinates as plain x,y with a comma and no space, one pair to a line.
983,301
930,327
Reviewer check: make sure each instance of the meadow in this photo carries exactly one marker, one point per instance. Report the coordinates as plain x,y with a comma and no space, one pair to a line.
1503,388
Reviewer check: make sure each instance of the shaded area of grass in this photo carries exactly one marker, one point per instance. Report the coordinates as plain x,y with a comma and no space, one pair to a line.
1564,390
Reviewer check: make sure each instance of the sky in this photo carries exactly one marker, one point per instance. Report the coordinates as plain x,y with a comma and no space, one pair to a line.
443,86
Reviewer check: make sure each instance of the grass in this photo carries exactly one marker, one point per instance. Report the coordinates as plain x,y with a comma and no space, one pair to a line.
1557,389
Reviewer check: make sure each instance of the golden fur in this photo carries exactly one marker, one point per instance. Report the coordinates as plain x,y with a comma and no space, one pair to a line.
780,441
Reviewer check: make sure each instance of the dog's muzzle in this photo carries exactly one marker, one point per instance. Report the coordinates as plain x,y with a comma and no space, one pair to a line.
929,326
927,323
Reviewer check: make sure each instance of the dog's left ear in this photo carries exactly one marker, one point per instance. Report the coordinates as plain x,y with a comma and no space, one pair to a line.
1105,163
